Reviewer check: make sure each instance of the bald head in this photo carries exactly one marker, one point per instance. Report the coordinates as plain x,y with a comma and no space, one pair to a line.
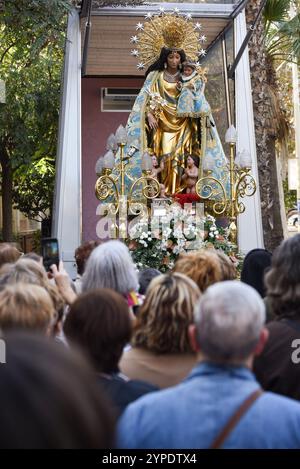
229,319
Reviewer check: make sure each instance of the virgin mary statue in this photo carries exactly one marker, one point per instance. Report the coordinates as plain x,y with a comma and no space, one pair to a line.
155,124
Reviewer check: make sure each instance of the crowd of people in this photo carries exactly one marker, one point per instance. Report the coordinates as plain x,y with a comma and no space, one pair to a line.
121,358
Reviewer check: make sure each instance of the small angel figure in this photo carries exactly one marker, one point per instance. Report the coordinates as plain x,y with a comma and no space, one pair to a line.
156,170
190,175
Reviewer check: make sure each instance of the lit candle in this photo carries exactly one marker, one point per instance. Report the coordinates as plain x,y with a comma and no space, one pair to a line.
231,135
245,159
111,143
108,160
99,166
121,135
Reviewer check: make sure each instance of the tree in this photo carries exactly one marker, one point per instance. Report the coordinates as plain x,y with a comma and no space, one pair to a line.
33,189
32,37
275,37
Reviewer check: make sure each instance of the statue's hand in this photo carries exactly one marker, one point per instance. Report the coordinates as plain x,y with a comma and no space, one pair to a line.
153,124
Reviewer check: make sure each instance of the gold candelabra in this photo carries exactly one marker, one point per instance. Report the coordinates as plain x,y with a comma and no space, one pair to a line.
111,187
226,200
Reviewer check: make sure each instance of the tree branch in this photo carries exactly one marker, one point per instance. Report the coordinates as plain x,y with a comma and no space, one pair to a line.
7,50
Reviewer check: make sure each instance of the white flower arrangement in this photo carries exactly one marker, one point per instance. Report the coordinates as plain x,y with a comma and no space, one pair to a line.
158,245
156,103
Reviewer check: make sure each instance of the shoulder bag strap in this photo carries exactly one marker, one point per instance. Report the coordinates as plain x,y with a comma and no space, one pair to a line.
234,420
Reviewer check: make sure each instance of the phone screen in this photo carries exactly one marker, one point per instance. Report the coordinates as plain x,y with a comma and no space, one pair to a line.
50,252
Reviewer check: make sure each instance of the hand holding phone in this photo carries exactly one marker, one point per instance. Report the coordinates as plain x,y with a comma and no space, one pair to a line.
63,283
50,252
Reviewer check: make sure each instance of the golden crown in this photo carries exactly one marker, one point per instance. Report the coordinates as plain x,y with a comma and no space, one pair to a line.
170,30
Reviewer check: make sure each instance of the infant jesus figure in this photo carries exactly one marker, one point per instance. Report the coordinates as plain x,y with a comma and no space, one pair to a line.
191,174
191,101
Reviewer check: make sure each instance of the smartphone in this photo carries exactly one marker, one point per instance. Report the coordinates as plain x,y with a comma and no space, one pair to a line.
50,252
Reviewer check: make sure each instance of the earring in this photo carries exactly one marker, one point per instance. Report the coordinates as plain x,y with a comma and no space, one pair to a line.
165,65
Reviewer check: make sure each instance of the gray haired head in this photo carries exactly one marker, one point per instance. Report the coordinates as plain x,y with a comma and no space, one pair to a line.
229,318
110,266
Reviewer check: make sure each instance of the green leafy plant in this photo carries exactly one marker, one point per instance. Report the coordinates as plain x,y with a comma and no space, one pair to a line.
290,197
158,245
32,36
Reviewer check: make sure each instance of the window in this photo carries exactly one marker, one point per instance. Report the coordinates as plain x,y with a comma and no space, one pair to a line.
118,99
215,89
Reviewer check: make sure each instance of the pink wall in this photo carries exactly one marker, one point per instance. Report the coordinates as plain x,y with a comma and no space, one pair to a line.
96,128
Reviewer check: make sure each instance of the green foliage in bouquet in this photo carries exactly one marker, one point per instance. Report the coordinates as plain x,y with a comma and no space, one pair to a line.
157,245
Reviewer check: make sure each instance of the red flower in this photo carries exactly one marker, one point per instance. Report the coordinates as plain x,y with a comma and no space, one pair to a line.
186,198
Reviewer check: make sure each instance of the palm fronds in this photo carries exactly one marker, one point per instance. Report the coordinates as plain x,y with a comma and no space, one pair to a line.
276,10
282,33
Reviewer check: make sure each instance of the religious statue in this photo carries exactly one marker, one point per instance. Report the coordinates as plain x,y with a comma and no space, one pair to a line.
191,174
171,117
156,170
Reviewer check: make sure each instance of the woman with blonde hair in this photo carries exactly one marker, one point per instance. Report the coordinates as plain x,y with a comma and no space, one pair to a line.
161,353
228,267
25,306
203,266
8,253
28,271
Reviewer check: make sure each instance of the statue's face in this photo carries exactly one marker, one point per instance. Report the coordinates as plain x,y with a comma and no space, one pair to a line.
154,161
174,60
190,161
188,71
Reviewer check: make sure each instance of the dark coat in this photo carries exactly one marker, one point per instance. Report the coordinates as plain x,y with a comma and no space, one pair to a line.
122,391
276,368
